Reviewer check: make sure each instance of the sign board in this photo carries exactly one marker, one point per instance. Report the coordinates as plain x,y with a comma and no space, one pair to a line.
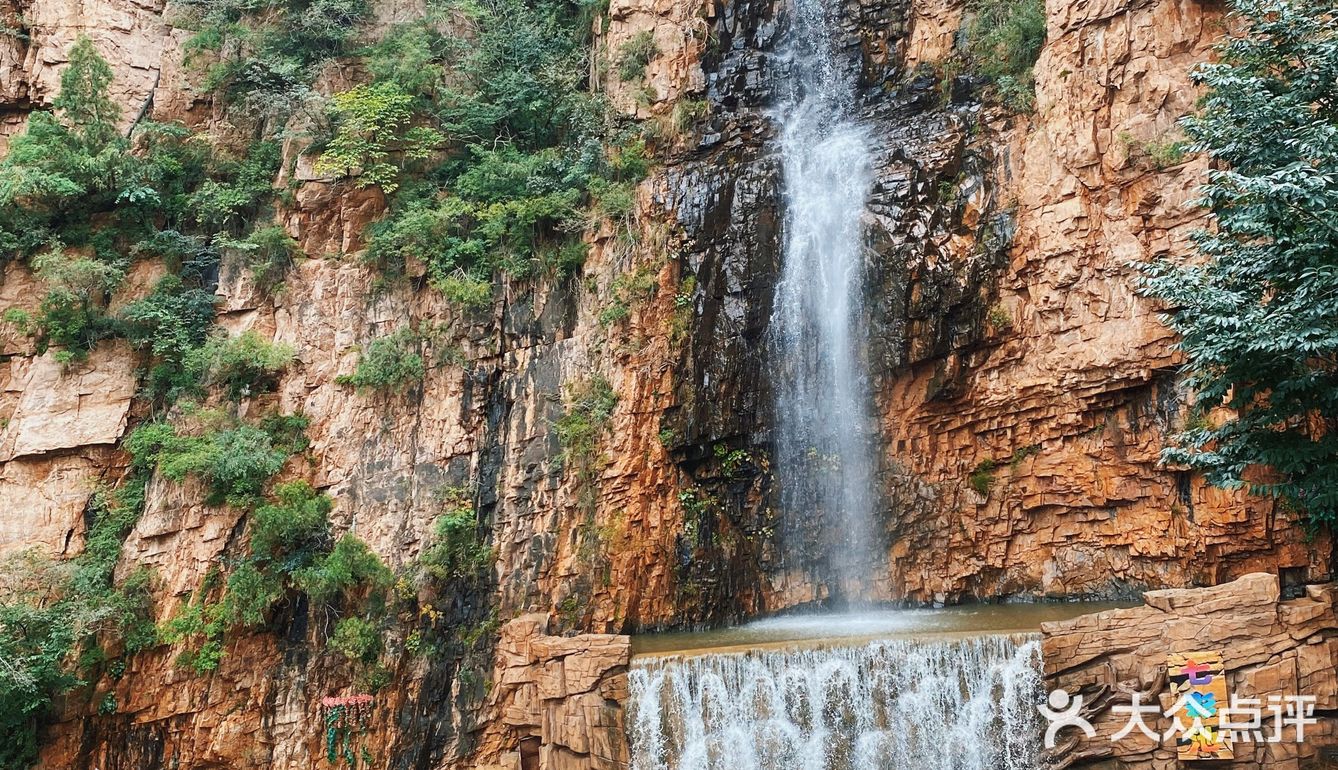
1199,692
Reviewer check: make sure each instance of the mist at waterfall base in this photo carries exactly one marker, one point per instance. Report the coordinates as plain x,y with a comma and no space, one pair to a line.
824,452
954,704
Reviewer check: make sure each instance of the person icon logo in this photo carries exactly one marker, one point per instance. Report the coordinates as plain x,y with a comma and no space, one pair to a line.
1063,712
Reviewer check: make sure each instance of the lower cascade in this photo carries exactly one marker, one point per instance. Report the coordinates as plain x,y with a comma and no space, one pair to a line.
958,704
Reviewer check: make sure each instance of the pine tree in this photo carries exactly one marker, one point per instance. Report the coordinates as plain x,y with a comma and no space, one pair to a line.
1257,308
67,163
84,102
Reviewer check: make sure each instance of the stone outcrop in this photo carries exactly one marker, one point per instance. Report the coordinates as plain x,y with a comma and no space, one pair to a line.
561,696
1062,405
1271,647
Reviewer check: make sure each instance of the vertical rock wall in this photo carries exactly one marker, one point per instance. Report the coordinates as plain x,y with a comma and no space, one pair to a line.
1066,391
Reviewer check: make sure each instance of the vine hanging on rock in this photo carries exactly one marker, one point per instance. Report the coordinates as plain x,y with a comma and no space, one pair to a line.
346,719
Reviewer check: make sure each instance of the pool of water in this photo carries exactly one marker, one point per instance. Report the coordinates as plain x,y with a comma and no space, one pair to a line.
815,629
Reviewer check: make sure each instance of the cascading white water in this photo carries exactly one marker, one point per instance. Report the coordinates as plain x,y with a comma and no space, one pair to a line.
823,447
962,704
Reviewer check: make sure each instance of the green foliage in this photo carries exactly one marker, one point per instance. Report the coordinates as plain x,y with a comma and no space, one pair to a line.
267,54
465,290
236,459
456,551
698,506
412,56
71,314
83,101
107,705
628,290
290,549
1257,308
981,477
236,187
506,208
73,178
20,319
635,54
533,166
242,366
1000,319
733,462
170,323
270,252
1004,40
67,162
251,591
34,641
350,566
49,614
590,405
291,527
77,197
1158,154
357,639
689,112
200,624
393,362
373,120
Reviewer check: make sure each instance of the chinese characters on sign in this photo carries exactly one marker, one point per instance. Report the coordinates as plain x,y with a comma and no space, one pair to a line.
1198,689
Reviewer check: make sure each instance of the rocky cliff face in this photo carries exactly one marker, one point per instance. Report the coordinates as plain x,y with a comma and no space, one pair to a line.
1023,390
1058,377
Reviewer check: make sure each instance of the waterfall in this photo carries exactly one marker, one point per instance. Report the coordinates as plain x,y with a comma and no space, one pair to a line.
823,447
961,704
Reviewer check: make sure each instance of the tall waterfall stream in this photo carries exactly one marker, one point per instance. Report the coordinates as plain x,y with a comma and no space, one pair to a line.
824,441
965,703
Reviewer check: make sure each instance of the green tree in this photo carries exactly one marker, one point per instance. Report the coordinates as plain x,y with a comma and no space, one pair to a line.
374,121
1257,309
84,102
66,161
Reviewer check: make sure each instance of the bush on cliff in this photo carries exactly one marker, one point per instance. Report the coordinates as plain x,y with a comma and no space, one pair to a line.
236,459
529,165
1257,307
53,616
393,362
456,551
1004,40
81,201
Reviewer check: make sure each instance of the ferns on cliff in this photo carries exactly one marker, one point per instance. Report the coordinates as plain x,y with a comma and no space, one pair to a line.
1257,307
